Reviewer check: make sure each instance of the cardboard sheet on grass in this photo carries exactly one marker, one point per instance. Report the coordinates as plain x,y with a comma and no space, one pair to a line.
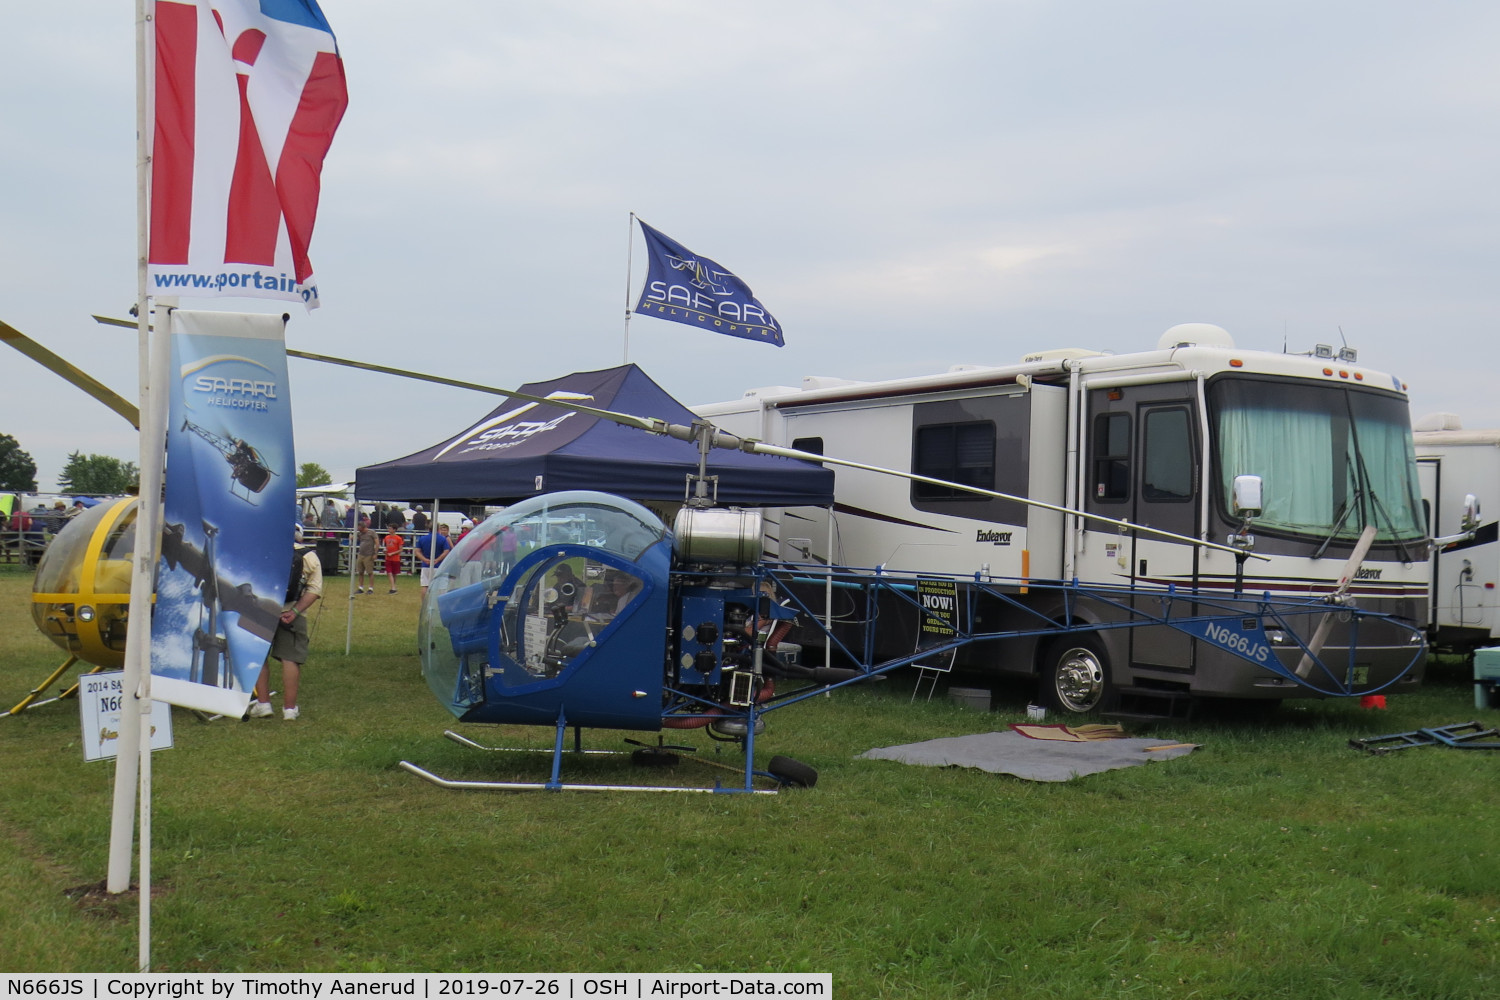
1037,753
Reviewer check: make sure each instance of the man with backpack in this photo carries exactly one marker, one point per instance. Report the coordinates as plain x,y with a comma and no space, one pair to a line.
290,644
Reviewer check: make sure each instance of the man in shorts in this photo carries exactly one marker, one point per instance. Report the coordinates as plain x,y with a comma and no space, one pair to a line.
364,557
290,643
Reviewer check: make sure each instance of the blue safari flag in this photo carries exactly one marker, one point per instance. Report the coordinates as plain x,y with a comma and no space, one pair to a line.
687,288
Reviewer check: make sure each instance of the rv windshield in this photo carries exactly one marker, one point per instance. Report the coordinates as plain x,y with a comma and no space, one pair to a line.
1333,458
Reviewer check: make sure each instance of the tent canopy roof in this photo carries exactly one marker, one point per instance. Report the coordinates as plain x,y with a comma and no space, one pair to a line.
520,449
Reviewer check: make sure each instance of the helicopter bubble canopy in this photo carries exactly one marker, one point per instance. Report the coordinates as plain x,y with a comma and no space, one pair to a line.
81,593
552,608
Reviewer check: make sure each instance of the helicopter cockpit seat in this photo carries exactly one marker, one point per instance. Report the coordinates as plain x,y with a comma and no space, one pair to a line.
602,603
465,614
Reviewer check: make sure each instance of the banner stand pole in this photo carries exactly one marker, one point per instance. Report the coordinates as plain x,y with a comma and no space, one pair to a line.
432,537
161,364
353,575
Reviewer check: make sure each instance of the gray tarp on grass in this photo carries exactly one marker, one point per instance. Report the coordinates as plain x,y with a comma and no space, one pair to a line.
1035,760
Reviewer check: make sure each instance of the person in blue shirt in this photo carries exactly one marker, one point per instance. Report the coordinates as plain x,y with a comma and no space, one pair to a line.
431,549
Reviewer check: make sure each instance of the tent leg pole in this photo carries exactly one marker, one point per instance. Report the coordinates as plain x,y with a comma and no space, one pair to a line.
828,599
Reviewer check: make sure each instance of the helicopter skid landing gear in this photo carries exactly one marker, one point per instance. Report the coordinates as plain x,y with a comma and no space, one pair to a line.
30,701
556,784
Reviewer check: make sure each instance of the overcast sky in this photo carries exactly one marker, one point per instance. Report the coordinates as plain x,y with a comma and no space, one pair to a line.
907,186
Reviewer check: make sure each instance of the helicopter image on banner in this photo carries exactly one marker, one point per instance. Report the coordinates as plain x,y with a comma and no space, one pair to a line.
247,469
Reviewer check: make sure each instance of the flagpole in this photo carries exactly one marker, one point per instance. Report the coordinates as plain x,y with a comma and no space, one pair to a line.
127,757
629,259
134,744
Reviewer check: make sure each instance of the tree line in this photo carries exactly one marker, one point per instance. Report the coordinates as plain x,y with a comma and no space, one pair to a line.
82,473
98,473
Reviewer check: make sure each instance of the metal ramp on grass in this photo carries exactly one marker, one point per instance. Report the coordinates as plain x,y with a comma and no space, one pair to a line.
1462,735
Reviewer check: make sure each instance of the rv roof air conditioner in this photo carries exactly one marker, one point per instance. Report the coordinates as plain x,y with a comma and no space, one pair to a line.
1194,335
769,390
1439,422
1062,354
812,383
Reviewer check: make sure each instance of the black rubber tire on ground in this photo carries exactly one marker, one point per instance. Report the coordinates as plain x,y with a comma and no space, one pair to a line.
790,771
1075,675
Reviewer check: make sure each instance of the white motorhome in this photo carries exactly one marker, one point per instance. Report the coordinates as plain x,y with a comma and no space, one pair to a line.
1155,438
1456,466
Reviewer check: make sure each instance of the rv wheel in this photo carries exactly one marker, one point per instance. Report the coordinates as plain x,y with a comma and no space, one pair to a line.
1075,675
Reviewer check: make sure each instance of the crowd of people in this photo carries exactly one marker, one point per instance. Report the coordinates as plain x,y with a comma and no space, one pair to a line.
384,540
289,648
27,532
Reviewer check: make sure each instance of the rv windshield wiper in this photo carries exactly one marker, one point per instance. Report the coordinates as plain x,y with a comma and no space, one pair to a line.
1367,484
1381,514
1344,512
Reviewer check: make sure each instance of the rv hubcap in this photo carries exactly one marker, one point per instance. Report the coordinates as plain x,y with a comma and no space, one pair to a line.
1079,680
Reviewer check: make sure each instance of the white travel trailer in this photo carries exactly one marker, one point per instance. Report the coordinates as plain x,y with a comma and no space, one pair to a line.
1156,438
1456,466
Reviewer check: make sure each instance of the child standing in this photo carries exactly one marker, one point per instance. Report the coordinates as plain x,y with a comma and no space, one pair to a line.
393,543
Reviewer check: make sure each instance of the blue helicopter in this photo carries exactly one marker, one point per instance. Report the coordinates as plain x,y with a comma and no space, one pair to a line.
607,619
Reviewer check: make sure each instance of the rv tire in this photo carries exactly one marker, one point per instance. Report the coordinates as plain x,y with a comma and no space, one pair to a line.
1075,675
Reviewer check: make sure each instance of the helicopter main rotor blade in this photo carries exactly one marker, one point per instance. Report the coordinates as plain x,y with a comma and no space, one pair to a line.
58,366
717,438
722,439
628,419
760,447
650,424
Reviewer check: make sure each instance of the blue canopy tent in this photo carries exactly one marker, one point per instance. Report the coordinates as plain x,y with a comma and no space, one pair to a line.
521,449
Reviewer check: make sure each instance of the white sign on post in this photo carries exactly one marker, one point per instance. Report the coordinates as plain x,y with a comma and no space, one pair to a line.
100,699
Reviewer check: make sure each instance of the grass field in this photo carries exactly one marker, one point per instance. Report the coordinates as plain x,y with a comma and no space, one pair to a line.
1275,861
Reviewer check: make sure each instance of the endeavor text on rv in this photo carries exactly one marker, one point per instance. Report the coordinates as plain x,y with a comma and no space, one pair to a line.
1303,463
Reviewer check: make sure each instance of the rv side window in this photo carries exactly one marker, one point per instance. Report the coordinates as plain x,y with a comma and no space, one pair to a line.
812,444
1112,457
960,453
1167,456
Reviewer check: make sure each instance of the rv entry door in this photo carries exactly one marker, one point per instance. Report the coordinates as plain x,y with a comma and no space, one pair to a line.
1143,458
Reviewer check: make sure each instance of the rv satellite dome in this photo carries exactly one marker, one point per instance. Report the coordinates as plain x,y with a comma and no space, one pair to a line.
1195,334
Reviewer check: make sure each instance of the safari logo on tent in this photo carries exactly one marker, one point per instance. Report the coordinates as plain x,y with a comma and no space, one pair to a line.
505,431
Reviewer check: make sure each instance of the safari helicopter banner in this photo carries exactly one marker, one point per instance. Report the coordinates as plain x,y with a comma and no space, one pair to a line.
227,509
